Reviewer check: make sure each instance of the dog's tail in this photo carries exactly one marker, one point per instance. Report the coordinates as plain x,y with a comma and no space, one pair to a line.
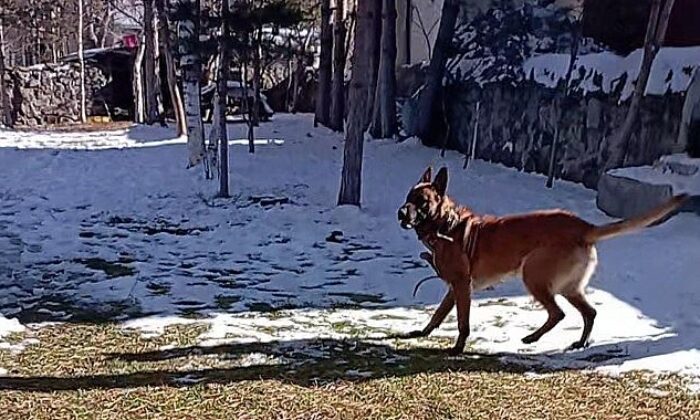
599,233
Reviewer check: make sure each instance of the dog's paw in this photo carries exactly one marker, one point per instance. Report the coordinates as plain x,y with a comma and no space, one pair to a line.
455,351
530,339
408,335
414,334
578,345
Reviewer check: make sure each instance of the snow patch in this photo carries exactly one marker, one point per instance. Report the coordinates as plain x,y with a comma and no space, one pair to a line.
131,232
659,174
604,72
9,326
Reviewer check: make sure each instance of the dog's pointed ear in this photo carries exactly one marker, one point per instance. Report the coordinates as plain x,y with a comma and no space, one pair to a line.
440,182
427,176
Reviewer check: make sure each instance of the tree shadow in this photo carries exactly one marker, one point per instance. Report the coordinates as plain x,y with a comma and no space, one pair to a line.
299,362
313,362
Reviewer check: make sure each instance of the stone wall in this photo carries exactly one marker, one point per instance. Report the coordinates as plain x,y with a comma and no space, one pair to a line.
517,125
50,94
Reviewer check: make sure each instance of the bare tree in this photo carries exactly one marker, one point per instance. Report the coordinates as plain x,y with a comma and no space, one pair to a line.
166,53
139,98
653,40
257,75
374,45
339,57
561,104
689,133
191,65
351,180
426,30
384,116
323,93
436,69
152,83
249,117
224,70
81,60
5,118
43,30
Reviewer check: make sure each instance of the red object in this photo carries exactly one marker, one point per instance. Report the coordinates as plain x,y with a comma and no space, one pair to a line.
130,41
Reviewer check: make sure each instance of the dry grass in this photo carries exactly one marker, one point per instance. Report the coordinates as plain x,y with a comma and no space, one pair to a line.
90,126
100,371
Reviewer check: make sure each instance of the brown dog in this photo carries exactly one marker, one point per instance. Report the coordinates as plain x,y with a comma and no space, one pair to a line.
553,250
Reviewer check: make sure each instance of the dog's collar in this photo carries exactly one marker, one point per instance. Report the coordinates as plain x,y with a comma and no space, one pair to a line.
472,226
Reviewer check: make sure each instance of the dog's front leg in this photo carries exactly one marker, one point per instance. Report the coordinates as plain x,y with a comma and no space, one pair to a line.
438,317
462,294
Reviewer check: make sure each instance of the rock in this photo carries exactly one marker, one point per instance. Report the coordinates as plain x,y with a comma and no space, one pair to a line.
336,236
517,124
409,78
625,197
50,94
681,168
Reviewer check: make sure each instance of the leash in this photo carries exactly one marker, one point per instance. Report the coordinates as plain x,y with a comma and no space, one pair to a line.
423,280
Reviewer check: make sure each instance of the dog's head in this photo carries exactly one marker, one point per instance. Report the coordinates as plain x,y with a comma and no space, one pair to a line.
424,200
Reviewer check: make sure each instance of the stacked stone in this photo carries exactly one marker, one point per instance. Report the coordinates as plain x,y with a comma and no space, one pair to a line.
50,94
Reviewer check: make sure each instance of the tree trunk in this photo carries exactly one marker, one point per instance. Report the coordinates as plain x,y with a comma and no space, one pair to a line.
653,40
338,86
150,69
408,25
689,133
54,37
81,60
224,67
384,117
173,88
139,108
5,117
436,70
563,106
257,76
374,45
351,180
106,24
290,76
323,93
191,65
249,119
298,79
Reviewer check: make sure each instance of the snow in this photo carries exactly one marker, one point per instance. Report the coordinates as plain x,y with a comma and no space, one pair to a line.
671,71
662,174
9,326
86,203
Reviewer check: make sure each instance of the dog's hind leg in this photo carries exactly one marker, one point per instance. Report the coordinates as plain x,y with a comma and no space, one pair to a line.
575,293
588,313
554,315
540,272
